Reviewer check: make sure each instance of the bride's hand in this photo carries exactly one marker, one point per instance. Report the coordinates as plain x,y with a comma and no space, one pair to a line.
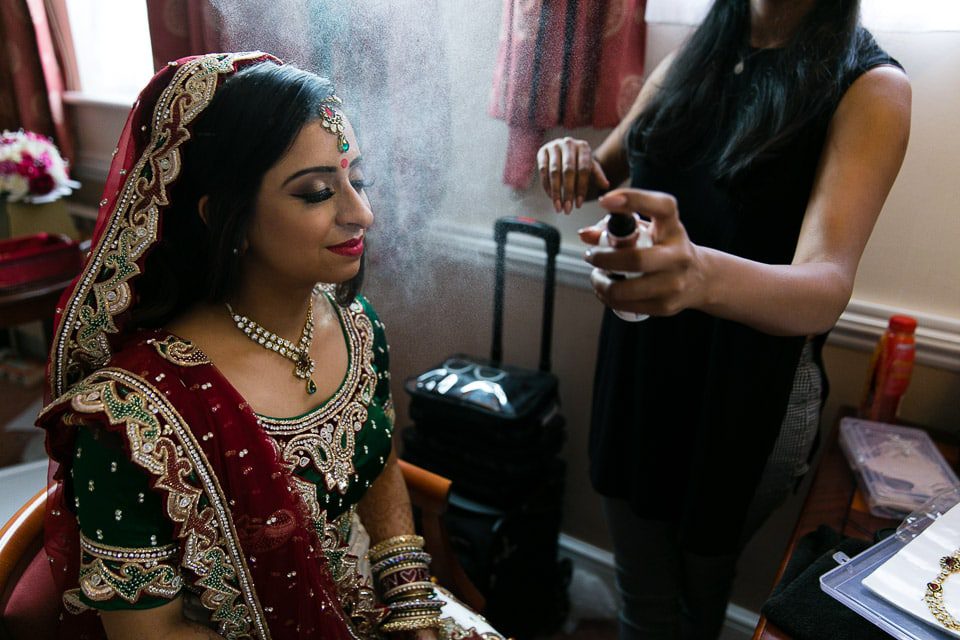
675,275
419,634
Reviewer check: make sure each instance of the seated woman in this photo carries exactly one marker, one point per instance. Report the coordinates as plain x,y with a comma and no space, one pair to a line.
204,486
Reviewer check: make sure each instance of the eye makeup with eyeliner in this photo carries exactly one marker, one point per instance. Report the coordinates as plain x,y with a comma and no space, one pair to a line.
325,193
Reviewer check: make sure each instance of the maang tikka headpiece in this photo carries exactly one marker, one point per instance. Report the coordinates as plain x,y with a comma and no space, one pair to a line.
333,121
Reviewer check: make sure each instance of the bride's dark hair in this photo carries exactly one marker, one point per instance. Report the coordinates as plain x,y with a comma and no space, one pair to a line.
690,108
251,122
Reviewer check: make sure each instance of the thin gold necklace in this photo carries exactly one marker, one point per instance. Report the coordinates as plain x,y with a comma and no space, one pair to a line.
299,353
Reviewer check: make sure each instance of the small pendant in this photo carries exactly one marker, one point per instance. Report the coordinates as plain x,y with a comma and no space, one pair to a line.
311,386
738,68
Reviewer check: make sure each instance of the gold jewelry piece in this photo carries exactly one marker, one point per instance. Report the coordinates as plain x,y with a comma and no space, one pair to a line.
395,544
934,596
410,590
405,557
332,121
413,624
298,353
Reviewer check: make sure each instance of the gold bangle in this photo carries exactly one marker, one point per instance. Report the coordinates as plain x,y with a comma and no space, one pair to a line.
403,566
411,588
380,549
401,558
410,625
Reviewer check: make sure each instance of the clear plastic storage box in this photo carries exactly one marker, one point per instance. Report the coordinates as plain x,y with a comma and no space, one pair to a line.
845,583
898,468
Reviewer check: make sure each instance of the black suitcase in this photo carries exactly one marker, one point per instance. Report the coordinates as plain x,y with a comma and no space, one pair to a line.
495,431
481,397
511,556
502,480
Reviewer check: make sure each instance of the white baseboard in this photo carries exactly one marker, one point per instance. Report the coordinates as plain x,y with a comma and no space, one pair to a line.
859,327
599,565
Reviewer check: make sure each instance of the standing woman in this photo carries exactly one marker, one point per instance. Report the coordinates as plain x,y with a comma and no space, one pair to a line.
221,422
762,153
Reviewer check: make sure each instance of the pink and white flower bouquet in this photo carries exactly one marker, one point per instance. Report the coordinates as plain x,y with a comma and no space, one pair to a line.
32,169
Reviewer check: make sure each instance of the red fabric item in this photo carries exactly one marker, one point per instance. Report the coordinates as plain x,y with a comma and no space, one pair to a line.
32,74
289,576
42,257
32,608
564,64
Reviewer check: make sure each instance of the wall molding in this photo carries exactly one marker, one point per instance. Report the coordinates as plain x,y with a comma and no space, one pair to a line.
740,622
859,327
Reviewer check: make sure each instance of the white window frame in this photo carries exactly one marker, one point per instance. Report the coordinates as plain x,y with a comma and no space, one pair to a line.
877,15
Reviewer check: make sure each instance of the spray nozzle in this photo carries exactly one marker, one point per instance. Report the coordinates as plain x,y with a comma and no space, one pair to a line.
621,225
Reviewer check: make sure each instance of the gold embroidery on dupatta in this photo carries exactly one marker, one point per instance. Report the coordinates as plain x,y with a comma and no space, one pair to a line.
141,571
103,291
325,438
162,443
354,591
180,352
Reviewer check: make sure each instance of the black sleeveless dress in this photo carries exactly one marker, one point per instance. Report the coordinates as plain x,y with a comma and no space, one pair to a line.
686,409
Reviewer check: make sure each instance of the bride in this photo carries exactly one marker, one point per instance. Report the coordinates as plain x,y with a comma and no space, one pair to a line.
221,424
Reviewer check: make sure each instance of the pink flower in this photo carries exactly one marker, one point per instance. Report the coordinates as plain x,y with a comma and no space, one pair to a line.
27,167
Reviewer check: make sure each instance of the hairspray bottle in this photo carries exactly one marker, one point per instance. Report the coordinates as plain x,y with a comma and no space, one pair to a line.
623,230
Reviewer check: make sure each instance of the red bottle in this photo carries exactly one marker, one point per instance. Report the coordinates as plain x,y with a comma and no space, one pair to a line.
890,370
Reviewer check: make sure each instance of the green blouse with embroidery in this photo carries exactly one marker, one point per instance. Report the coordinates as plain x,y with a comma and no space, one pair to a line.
127,542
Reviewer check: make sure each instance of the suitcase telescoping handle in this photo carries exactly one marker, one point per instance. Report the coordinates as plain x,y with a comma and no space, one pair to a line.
551,237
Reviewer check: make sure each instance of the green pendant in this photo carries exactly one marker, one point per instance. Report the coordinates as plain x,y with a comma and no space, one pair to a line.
311,386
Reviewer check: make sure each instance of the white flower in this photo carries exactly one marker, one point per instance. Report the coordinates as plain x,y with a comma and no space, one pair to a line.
15,185
32,169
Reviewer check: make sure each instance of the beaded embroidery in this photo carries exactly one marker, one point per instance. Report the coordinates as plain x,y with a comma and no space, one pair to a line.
103,291
162,443
325,437
127,572
355,592
180,352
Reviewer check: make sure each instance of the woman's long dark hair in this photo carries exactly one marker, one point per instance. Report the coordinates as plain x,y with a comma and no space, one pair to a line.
689,108
251,122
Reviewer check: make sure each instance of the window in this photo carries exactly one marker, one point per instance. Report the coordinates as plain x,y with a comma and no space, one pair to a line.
112,42
879,15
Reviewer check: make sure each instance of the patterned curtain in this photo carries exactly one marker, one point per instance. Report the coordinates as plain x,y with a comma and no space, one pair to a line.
568,63
35,55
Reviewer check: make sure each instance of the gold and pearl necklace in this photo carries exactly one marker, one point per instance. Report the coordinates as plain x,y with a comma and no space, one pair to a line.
298,353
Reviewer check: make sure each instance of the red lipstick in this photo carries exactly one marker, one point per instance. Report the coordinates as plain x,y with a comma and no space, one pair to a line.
350,248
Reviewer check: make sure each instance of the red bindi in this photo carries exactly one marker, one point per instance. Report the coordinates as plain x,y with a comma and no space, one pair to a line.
344,163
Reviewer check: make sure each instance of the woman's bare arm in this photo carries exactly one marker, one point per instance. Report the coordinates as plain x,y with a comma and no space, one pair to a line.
864,149
165,622
385,509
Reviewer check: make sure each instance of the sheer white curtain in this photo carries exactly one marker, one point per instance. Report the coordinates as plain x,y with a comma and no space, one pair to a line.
112,44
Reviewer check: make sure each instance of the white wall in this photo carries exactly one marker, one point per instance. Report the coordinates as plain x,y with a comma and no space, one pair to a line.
911,261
